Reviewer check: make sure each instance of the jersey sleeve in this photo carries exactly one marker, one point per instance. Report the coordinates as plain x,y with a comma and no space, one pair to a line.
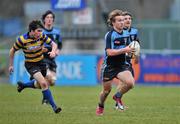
59,39
136,36
108,40
46,39
18,44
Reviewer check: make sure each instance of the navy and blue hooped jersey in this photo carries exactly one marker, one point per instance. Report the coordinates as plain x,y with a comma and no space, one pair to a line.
133,35
54,34
32,48
116,40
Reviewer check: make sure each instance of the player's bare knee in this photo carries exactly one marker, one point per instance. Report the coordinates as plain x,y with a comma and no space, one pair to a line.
37,85
52,80
44,85
106,92
130,84
51,83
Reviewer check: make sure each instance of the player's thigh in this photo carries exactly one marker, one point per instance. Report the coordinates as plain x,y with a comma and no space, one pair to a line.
109,72
35,70
39,77
126,77
41,80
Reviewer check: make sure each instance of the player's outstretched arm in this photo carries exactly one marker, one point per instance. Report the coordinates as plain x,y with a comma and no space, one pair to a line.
11,59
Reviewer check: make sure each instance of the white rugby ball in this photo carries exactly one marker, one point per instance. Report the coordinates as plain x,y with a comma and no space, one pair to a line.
136,45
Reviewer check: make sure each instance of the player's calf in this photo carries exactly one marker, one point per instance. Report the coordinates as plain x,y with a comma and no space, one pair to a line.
119,104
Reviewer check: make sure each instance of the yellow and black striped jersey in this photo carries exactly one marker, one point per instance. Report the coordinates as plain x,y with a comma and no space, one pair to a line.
32,48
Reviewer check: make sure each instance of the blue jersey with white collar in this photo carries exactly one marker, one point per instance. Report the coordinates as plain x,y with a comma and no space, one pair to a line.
116,40
133,36
54,34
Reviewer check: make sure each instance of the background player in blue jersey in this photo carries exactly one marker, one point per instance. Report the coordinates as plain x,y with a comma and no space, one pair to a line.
115,64
32,45
48,19
133,34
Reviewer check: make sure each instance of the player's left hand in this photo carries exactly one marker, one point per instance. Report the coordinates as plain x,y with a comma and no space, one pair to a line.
52,54
57,52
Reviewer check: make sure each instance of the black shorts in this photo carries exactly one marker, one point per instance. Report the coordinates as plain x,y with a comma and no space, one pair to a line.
34,67
50,64
109,72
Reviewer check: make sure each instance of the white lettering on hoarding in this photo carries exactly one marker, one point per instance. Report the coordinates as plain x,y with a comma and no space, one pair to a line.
70,70
84,16
68,4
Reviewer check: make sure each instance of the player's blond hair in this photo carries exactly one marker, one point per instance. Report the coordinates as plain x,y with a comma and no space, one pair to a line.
112,15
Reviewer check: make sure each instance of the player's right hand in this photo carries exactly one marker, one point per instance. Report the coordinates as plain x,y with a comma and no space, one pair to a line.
57,52
129,50
11,69
52,54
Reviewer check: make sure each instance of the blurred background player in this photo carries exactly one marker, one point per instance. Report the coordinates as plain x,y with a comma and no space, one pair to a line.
115,64
48,19
32,45
133,34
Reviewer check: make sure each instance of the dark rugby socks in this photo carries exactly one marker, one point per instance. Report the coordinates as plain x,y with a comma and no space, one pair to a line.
118,95
29,84
48,96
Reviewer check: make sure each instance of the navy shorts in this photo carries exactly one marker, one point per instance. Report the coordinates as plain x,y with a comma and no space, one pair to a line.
34,67
50,64
109,72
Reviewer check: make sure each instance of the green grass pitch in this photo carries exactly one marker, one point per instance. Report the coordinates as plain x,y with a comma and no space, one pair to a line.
147,105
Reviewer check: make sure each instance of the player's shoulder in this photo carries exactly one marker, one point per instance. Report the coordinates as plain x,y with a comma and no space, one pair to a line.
56,30
42,34
134,29
25,35
22,37
125,33
108,34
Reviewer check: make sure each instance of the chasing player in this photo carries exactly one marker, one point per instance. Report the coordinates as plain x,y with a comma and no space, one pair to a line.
32,45
48,19
133,34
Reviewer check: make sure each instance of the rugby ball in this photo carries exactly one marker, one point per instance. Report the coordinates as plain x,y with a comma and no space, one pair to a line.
136,45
